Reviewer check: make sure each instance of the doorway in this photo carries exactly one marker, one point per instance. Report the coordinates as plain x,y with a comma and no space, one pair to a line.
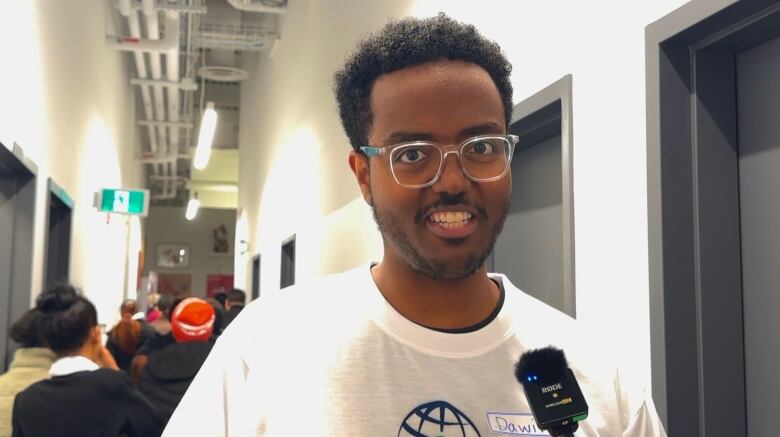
17,213
256,277
713,203
536,248
58,229
288,263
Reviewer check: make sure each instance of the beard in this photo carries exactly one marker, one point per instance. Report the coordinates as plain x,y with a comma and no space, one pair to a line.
392,232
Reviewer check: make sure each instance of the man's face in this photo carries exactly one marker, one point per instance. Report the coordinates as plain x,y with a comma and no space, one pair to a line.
446,230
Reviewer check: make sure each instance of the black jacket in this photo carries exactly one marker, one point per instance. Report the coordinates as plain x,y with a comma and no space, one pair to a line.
169,372
231,314
96,403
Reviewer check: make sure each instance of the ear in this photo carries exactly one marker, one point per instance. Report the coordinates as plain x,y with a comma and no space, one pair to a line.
358,162
95,335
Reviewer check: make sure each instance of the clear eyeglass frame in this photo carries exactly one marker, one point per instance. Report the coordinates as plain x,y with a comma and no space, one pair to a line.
511,141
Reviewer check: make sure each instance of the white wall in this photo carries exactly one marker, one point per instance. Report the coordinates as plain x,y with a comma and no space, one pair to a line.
293,173
66,100
167,224
294,176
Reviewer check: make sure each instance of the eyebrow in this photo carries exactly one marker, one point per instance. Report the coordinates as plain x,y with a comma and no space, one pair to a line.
480,129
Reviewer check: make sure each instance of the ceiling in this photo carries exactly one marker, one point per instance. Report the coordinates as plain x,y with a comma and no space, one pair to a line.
183,54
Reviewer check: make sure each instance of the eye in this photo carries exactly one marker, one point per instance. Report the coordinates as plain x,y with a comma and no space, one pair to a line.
411,155
481,148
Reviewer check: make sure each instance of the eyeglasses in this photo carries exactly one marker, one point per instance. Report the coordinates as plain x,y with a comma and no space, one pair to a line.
418,164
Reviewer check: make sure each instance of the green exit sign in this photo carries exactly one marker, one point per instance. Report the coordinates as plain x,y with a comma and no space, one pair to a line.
122,201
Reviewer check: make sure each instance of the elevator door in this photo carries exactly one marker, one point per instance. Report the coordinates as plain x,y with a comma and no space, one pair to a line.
17,210
58,237
530,249
758,97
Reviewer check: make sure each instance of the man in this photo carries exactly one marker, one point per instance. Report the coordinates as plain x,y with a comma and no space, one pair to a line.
424,342
169,370
234,303
161,339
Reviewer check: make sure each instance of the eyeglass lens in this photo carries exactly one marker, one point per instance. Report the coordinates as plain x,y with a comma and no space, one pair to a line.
481,159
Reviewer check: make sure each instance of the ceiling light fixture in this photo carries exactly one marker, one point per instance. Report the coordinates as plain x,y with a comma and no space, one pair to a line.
192,208
208,125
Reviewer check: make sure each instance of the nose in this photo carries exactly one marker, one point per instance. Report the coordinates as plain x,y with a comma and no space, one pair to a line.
452,179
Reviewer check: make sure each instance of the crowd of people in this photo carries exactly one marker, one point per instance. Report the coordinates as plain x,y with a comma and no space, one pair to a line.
66,380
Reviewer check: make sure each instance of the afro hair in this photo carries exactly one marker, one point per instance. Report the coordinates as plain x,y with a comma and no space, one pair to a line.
408,42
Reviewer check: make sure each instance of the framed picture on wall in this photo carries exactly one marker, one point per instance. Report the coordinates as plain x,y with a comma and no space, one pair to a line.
221,241
177,284
173,255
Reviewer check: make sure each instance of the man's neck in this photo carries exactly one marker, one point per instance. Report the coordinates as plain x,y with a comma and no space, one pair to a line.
436,303
85,351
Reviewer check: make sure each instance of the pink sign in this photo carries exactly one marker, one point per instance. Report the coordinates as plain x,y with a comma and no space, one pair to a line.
218,284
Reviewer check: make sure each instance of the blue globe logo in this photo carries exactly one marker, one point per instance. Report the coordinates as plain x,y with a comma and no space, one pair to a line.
437,419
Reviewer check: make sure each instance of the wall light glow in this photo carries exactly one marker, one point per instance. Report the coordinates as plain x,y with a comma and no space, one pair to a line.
100,247
291,205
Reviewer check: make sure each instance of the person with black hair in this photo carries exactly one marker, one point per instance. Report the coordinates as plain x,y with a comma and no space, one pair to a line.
162,325
422,343
234,303
157,342
31,364
170,369
221,297
86,394
219,316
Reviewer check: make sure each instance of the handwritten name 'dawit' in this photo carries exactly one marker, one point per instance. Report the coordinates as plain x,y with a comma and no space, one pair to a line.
522,424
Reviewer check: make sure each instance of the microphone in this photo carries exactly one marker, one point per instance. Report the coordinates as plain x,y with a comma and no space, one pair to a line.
556,400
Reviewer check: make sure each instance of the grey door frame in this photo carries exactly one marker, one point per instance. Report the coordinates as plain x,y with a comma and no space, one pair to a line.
16,287
256,281
523,120
55,190
291,268
697,340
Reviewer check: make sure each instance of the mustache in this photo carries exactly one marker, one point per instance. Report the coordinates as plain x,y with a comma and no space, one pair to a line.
446,199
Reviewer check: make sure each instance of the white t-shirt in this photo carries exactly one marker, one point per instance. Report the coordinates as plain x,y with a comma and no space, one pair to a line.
333,358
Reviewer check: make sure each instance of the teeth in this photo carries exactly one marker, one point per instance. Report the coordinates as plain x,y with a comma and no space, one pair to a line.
450,219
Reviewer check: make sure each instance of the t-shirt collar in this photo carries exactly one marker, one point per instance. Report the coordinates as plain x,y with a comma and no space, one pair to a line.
67,365
432,342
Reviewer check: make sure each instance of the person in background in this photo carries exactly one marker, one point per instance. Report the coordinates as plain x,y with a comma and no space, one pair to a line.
169,371
234,303
86,394
221,297
219,316
162,324
155,343
127,335
31,364
152,312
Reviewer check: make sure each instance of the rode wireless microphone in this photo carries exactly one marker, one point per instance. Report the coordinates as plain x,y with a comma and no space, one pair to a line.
552,391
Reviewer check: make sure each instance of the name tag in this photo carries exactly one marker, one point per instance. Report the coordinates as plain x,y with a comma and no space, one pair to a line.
514,424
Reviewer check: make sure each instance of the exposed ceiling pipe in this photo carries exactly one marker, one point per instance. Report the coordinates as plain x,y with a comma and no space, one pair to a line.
184,84
250,6
153,33
172,72
151,45
164,153
125,10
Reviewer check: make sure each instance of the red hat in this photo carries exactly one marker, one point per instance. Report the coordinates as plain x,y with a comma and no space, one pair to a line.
192,320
